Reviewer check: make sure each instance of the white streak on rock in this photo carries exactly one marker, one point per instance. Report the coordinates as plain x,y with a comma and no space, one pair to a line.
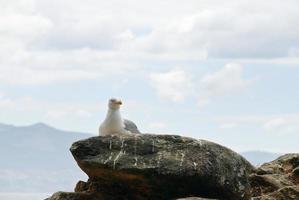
153,147
182,159
116,158
159,159
135,150
122,144
110,145
200,143
109,158
195,165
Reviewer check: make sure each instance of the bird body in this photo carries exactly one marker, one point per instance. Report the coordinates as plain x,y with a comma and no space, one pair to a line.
114,124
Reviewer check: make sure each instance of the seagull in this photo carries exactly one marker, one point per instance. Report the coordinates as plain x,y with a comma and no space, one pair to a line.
114,124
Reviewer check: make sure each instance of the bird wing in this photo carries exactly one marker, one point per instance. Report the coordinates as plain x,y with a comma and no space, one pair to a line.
131,126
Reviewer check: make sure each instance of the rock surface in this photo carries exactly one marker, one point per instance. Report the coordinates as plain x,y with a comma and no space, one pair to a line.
277,180
160,167
173,167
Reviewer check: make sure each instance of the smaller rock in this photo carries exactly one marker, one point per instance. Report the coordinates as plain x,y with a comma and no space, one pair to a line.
81,186
266,169
285,193
277,180
264,184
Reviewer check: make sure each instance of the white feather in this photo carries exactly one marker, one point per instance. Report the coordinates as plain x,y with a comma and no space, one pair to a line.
113,123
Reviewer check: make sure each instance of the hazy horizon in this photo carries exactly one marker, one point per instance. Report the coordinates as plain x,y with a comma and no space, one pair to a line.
45,125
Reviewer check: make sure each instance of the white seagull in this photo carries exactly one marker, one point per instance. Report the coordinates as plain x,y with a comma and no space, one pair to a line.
114,124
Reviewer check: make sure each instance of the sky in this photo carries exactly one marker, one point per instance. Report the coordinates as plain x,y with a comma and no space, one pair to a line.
225,71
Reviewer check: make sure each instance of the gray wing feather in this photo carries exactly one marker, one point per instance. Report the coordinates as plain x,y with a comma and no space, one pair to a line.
131,126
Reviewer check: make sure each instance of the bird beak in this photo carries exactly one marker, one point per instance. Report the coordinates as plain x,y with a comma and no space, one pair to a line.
119,102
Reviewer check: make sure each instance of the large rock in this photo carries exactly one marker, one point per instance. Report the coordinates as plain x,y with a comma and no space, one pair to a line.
277,180
160,167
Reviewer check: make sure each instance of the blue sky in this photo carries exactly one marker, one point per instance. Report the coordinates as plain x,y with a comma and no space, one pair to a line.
226,71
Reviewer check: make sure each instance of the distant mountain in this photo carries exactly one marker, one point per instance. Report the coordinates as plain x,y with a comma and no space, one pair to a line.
260,157
36,158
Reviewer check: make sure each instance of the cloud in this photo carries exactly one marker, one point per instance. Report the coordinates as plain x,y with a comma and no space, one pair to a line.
42,76
174,85
227,81
53,66
273,124
157,126
228,125
69,112
282,124
42,46
48,111
24,103
238,29
74,111
86,41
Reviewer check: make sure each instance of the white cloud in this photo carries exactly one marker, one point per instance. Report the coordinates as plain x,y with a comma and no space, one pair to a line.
228,80
173,85
41,45
5,103
274,124
228,125
74,111
282,124
52,66
235,29
69,112
48,111
157,126
56,114
9,104
43,76
99,37
177,84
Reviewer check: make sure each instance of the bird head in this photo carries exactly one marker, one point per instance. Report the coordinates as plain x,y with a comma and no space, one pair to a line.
114,103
